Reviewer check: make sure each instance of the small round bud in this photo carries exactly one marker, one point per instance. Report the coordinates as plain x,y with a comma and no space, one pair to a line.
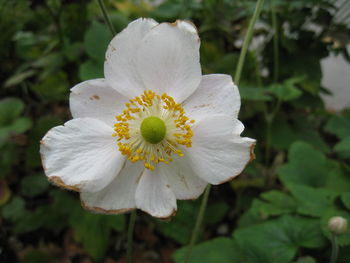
338,225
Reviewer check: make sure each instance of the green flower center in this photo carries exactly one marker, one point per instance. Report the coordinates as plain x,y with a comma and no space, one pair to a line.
153,129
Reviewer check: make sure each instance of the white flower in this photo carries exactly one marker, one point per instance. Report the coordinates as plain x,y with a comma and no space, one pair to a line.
153,131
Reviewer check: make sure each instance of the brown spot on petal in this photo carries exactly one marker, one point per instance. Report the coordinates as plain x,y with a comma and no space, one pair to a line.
58,182
106,211
168,186
201,106
94,97
42,142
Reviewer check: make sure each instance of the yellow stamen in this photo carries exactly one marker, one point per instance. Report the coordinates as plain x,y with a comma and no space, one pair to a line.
129,137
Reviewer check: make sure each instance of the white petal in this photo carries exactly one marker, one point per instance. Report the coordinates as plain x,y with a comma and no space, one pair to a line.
218,153
81,155
216,94
120,68
168,60
118,196
96,99
182,180
154,196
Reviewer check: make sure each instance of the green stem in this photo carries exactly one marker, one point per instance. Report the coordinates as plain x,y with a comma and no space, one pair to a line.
105,16
198,223
335,249
275,43
247,40
240,65
131,226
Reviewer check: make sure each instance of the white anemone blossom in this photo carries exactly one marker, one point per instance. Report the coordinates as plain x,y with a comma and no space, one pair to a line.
154,130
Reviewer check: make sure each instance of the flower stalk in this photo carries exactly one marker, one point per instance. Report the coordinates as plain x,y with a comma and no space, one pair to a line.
335,248
106,18
198,224
247,41
237,78
131,227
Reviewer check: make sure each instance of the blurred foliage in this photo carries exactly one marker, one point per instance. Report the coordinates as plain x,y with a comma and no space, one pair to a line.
276,211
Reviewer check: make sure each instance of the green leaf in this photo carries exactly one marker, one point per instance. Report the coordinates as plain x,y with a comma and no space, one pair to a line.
273,203
167,10
96,40
306,166
339,126
285,91
10,109
18,78
119,20
53,88
93,230
343,147
14,210
286,131
312,201
34,185
256,94
91,69
278,240
21,125
277,203
222,249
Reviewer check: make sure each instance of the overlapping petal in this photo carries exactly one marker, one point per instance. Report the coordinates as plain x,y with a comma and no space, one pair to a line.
119,195
96,99
168,60
154,195
218,153
120,67
81,155
216,94
182,180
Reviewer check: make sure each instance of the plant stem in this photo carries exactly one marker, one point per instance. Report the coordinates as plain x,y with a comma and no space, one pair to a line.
131,226
247,40
198,224
275,43
335,249
105,16
239,69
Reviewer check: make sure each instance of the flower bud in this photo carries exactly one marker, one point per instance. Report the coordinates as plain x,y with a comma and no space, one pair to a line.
338,225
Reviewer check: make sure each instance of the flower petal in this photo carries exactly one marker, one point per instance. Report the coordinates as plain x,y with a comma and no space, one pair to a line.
182,180
120,65
119,195
96,99
216,94
218,153
168,60
154,196
81,155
